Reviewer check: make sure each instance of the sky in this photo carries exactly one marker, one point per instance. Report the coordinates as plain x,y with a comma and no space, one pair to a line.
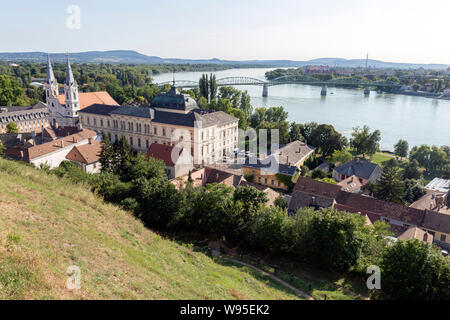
414,31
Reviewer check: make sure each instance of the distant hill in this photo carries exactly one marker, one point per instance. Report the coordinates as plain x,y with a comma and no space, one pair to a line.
48,224
133,57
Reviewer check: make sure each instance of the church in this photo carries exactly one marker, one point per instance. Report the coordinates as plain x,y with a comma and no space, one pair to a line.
64,108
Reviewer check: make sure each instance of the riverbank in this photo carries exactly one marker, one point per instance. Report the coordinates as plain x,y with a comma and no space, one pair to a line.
417,119
424,94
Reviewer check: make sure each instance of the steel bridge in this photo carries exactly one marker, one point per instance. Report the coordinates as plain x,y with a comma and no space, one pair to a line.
290,79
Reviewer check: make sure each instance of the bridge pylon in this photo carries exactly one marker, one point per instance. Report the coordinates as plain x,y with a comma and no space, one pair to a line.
323,92
265,92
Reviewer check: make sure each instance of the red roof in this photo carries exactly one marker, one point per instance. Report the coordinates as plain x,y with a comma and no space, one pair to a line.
86,153
89,98
164,152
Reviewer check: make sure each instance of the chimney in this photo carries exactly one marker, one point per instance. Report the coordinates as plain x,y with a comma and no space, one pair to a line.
90,140
287,160
62,143
74,140
80,126
56,125
21,154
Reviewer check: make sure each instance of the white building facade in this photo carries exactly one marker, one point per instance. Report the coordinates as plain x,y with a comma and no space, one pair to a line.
172,119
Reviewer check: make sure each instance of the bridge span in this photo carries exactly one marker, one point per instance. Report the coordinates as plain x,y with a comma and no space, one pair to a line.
305,80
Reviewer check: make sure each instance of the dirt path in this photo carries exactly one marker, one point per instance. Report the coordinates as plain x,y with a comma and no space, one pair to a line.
273,277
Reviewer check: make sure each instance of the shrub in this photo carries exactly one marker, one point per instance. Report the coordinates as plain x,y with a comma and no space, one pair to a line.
414,270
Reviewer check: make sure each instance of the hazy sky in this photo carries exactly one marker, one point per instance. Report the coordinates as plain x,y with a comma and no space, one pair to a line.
390,30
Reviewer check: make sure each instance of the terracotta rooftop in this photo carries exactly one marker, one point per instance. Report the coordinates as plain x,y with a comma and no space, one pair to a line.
437,221
219,176
164,152
89,98
55,145
383,208
351,184
416,233
86,153
316,187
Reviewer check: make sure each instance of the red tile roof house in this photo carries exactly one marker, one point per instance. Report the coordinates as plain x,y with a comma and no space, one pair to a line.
54,152
318,194
176,164
87,156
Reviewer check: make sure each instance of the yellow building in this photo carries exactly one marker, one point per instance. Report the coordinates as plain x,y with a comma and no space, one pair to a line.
274,175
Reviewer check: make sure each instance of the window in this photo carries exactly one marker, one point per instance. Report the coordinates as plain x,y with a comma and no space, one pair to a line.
272,182
443,237
164,132
146,144
279,184
101,122
265,180
155,130
259,179
131,141
139,142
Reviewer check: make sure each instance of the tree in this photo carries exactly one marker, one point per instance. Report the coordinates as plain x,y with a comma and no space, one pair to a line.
438,159
307,130
401,148
421,154
327,139
251,198
341,156
412,170
204,87
333,239
12,128
364,142
416,270
390,186
11,92
212,87
107,155
295,132
413,190
2,149
281,202
268,230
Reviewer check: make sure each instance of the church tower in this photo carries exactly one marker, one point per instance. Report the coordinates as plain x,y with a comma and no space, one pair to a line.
51,85
51,93
72,104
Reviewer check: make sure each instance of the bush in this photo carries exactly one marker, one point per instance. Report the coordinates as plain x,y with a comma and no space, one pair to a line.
332,241
414,270
269,231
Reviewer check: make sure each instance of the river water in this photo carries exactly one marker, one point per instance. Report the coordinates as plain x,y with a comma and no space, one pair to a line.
415,119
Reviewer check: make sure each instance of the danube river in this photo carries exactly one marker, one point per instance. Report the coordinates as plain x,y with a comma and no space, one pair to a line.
415,119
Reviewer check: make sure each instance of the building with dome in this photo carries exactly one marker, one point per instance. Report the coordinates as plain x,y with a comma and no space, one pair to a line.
172,119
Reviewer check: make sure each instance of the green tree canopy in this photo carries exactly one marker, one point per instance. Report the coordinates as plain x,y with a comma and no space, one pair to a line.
390,186
364,142
12,128
401,148
327,139
414,269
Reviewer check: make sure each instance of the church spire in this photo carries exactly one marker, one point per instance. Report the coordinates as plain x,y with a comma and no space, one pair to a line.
50,76
69,75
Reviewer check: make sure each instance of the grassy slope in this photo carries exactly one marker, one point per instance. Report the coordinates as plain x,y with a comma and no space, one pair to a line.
48,224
